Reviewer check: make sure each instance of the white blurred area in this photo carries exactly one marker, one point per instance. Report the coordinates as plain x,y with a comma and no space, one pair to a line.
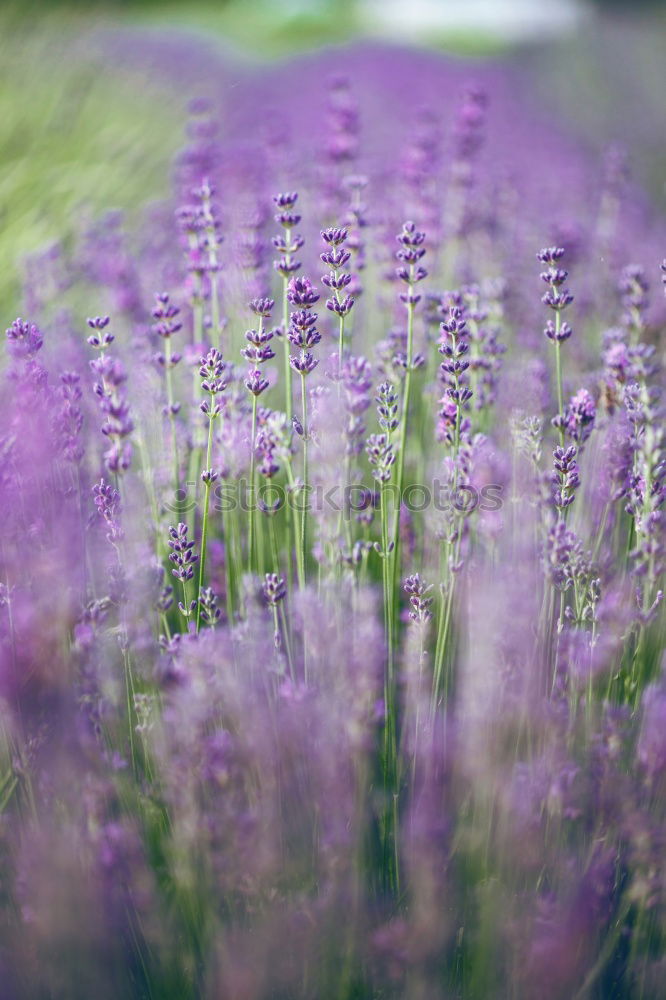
506,20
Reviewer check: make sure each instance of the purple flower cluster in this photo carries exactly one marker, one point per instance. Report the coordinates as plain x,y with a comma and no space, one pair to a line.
303,333
109,387
557,298
258,350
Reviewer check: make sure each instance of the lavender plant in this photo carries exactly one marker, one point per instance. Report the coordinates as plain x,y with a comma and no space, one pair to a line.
335,701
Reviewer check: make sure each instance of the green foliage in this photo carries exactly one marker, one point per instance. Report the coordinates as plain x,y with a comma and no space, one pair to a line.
76,138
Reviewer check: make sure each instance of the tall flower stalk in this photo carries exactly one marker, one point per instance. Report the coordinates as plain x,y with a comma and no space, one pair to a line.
336,256
557,298
454,346
166,325
646,495
257,352
213,383
184,560
274,592
287,244
410,272
303,335
210,241
109,387
382,458
420,615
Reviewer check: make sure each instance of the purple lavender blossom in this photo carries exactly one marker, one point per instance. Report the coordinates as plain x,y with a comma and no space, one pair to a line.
356,379
381,456
578,418
289,243
418,598
24,340
273,589
337,257
565,477
107,502
411,252
557,297
109,387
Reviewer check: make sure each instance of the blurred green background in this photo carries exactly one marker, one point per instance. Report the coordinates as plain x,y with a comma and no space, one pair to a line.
79,134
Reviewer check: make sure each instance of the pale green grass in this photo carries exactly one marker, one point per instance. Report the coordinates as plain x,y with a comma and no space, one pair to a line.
75,137
78,137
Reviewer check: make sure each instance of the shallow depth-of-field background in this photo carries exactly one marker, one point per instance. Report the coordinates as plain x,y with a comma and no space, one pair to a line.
81,131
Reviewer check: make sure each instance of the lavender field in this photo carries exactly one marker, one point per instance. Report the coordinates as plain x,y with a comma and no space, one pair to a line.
332,551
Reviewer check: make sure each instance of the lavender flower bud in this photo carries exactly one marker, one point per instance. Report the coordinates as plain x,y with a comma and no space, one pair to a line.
181,554
262,307
165,313
578,418
255,382
550,255
257,355
420,602
387,407
209,609
285,203
565,478
557,297
341,308
552,333
334,236
107,502
302,332
301,292
304,363
274,589
211,371
24,340
381,456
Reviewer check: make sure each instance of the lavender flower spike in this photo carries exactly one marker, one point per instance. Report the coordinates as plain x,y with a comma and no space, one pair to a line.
557,298
336,256
24,340
274,591
184,561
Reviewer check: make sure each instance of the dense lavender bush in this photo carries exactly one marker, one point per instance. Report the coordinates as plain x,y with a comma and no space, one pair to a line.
332,554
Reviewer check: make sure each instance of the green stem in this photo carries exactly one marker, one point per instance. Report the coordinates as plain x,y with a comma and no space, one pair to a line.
388,617
289,403
558,375
287,644
172,418
251,510
186,605
390,726
304,402
129,693
395,556
439,645
215,312
228,565
300,569
273,543
204,530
